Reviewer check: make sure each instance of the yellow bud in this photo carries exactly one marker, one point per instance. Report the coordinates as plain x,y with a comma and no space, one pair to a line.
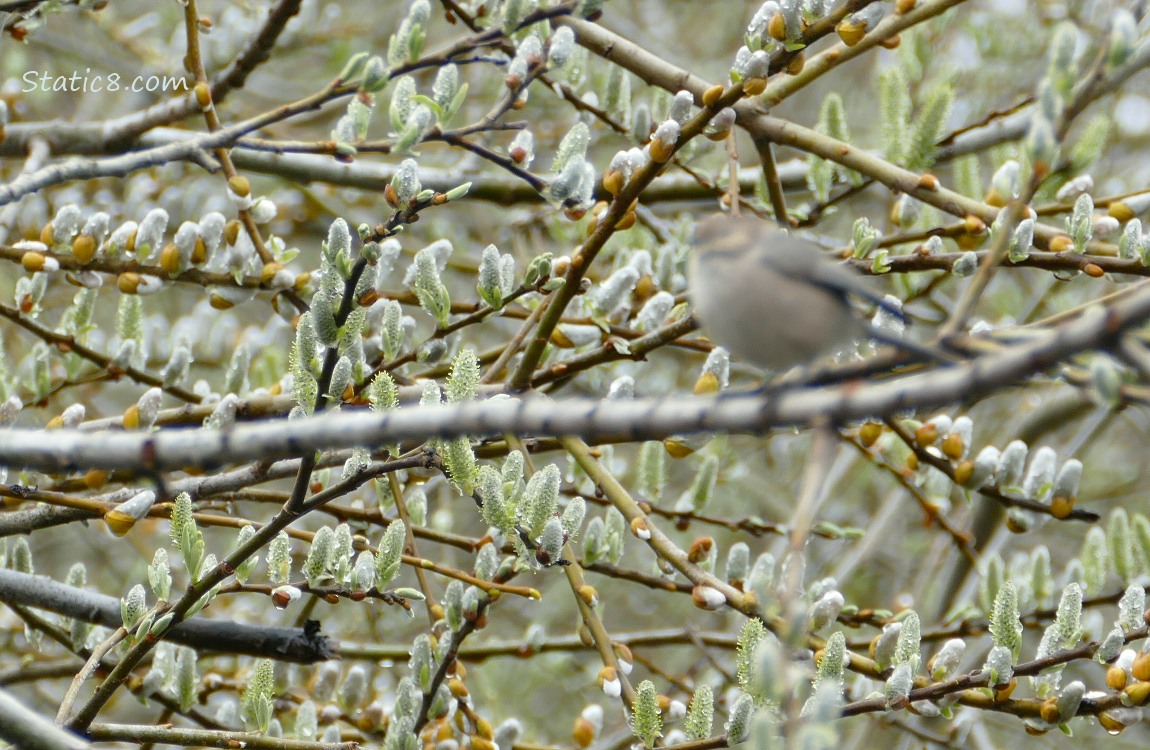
128,282
84,247
777,27
561,340
1061,507
613,182
1110,724
869,433
1061,243
1121,211
119,522
219,302
457,688
627,221
712,95
232,231
851,32
203,95
95,479
46,235
754,86
170,258
1141,667
589,595
32,261
660,151
677,449
1137,693
269,271
240,185
952,446
131,418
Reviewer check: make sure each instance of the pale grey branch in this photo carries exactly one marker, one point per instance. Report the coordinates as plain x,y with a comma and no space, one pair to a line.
64,450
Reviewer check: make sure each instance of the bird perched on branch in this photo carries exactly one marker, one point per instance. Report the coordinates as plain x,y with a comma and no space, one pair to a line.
776,300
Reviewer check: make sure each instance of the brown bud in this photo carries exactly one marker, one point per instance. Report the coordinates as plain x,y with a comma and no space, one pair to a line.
583,732
391,196
891,42
700,549
928,181
926,434
796,63
974,225
1093,270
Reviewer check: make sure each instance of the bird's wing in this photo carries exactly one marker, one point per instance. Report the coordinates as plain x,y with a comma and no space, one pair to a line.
802,261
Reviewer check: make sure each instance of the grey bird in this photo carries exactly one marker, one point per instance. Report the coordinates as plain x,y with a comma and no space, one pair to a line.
774,300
